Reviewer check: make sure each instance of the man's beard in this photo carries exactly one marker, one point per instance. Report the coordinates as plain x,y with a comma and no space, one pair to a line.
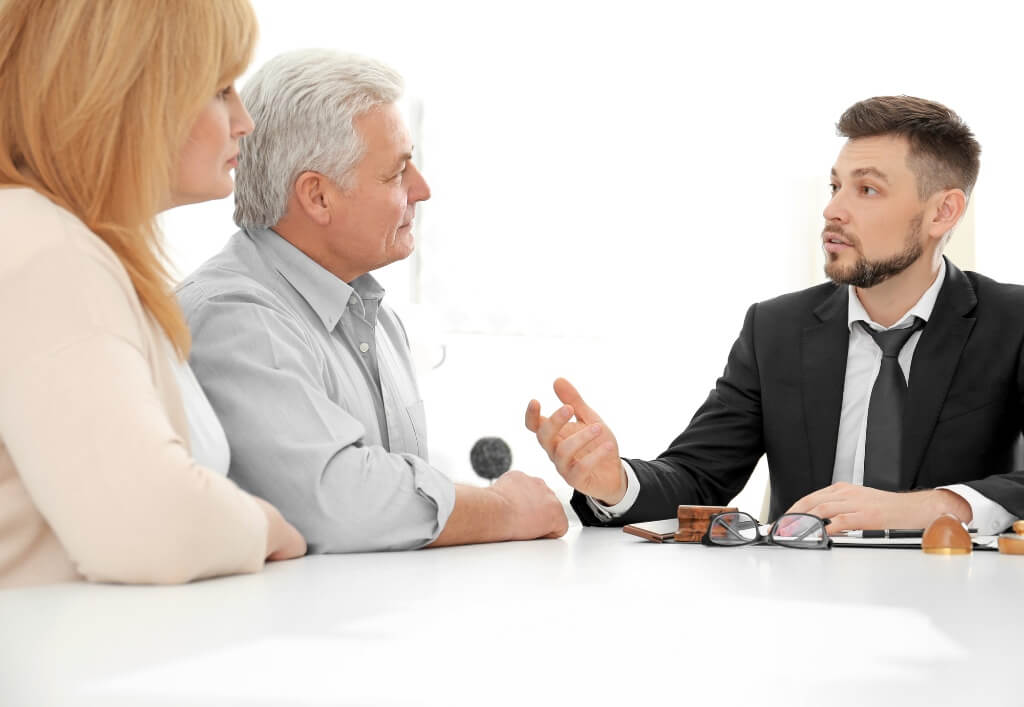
867,273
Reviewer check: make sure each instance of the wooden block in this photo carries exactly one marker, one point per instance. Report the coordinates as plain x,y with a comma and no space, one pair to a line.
693,521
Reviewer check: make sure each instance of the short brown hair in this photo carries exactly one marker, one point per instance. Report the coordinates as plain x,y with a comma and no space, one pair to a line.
944,153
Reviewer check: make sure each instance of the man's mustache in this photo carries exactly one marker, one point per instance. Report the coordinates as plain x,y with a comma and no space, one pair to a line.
839,233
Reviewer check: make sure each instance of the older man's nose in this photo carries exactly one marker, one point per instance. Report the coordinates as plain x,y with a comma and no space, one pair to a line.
419,190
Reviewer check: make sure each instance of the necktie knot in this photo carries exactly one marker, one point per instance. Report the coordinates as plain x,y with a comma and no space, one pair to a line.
891,342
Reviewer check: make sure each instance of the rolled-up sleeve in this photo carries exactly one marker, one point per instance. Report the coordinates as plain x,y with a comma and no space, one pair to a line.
295,444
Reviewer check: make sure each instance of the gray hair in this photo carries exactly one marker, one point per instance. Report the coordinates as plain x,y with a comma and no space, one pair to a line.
303,104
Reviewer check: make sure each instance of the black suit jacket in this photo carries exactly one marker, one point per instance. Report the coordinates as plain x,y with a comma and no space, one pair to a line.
782,391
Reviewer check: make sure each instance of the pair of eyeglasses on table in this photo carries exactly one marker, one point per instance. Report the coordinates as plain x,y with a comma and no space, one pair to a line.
798,530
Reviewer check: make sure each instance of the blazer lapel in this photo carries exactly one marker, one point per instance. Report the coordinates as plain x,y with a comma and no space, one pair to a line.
823,352
934,364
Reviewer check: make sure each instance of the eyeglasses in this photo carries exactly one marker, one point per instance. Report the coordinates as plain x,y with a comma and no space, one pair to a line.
799,530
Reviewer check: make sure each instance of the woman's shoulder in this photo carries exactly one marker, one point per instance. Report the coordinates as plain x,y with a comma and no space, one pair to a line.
31,225
55,269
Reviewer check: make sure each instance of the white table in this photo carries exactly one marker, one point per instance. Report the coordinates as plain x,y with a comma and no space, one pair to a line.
598,617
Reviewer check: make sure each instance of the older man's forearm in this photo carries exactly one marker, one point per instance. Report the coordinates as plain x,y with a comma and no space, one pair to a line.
480,516
515,507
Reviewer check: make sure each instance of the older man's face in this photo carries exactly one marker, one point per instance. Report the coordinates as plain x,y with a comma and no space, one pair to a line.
374,215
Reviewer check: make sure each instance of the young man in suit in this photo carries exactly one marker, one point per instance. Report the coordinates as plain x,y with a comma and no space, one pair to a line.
884,398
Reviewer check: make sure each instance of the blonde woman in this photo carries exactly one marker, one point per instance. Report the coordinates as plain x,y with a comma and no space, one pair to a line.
111,111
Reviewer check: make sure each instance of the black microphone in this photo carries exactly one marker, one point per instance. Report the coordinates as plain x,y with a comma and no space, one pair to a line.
490,457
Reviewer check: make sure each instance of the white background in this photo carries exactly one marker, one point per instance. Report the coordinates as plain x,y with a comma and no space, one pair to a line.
614,183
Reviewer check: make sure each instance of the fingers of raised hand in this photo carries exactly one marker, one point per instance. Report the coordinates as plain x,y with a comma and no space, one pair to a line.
599,457
576,444
598,472
568,394
549,429
533,417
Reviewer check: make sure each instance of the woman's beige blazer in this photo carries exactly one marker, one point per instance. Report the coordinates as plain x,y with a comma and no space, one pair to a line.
96,478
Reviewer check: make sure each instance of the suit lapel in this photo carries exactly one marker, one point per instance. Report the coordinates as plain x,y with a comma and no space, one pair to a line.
823,357
934,364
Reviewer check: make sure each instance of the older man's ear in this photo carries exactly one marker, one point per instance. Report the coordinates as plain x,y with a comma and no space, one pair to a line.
311,193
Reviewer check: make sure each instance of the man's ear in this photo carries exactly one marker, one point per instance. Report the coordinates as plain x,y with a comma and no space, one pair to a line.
311,191
950,207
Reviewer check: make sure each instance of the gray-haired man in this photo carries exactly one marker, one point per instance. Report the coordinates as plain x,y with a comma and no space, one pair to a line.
309,372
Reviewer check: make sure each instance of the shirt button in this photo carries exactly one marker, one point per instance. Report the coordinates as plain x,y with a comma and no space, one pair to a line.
364,347
353,299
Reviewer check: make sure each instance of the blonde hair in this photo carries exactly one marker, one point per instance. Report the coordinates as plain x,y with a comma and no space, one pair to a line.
97,97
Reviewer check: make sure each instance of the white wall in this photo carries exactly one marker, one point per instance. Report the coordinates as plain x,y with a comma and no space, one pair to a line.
614,181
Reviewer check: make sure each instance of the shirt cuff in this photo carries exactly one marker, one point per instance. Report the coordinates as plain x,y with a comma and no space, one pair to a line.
436,487
604,512
989,517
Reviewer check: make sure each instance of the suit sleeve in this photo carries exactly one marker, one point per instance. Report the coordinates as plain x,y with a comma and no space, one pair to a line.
710,462
1007,490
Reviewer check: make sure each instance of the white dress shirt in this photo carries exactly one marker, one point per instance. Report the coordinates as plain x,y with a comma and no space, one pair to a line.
864,359
207,440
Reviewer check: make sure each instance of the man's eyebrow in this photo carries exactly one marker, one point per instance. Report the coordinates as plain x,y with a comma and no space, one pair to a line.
865,172
405,157
870,172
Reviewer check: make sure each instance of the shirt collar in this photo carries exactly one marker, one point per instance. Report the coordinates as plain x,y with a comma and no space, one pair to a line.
370,292
328,295
923,308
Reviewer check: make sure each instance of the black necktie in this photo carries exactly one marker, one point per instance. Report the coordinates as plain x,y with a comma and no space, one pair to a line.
882,446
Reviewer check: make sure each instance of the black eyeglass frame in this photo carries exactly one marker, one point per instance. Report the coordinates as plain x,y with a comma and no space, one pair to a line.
824,544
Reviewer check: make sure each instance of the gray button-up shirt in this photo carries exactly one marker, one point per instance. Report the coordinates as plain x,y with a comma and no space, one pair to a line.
312,379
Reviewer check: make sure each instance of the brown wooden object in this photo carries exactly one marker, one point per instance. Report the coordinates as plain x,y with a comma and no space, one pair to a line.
1011,544
946,536
693,521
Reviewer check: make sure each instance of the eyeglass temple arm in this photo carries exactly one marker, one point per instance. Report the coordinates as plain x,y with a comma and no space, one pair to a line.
742,525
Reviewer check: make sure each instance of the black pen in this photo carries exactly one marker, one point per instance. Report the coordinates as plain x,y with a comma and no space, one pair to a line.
892,533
